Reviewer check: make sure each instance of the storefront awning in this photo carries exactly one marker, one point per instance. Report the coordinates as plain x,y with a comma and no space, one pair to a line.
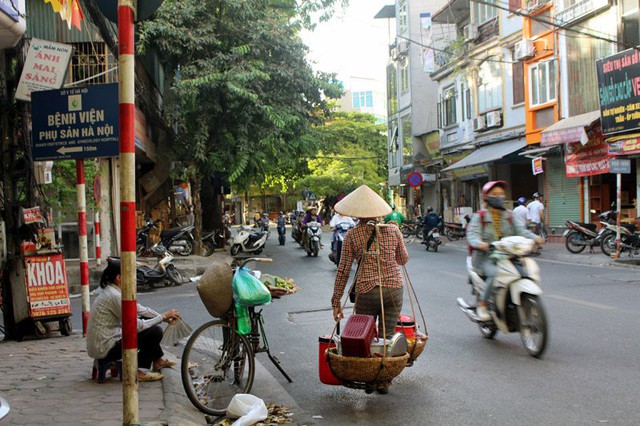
570,129
538,152
489,153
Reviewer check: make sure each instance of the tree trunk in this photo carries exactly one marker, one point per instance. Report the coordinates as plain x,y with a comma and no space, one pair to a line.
197,204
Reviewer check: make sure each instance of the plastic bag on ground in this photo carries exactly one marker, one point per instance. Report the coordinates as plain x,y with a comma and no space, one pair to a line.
248,290
249,408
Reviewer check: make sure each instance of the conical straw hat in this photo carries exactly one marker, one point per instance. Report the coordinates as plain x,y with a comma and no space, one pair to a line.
363,203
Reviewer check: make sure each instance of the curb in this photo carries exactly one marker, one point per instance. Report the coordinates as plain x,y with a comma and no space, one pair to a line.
179,409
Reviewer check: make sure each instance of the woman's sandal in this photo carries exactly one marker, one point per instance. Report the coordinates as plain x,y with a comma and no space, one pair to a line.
166,363
150,377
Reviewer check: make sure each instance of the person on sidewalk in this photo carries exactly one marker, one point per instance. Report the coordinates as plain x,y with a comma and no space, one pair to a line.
536,212
491,225
521,212
378,261
104,331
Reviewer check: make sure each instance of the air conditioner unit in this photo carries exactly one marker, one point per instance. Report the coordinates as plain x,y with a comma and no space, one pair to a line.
403,47
479,123
494,119
524,49
470,32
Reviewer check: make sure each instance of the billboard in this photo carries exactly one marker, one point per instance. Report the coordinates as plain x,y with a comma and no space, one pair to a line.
619,91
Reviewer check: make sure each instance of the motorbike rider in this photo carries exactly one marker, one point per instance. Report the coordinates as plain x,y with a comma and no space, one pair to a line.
281,223
264,222
310,216
431,220
394,217
338,218
491,225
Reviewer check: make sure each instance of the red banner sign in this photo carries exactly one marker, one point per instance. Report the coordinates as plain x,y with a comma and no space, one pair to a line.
588,160
32,215
625,147
47,288
536,166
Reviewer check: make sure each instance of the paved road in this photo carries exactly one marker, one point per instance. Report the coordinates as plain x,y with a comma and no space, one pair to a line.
589,373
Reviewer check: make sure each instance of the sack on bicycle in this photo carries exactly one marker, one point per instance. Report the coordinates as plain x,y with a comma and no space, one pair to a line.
248,290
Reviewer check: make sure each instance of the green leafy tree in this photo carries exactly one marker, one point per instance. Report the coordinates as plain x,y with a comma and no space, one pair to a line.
353,153
61,194
244,96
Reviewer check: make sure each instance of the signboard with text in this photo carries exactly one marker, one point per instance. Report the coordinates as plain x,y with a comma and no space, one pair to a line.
619,91
44,68
76,123
620,166
536,166
625,147
47,288
587,160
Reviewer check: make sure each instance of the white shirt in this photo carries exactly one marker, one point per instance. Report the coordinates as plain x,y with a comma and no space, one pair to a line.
105,322
338,218
535,207
522,214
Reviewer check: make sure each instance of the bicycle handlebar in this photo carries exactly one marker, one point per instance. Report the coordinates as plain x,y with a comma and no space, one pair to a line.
240,262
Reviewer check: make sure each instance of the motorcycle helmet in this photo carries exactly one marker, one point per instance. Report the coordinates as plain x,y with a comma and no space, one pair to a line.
492,184
429,209
536,195
521,201
281,212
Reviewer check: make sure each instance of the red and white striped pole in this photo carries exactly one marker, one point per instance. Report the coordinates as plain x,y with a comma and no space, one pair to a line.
96,225
84,248
126,73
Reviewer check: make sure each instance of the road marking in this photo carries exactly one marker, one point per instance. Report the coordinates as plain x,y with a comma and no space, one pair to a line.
454,274
582,302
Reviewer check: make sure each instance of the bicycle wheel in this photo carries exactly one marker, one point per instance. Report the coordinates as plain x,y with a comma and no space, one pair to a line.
217,363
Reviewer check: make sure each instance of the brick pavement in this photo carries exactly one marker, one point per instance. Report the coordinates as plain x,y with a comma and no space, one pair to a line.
49,382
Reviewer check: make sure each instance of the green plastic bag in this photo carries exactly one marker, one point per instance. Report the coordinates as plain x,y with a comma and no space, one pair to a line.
248,290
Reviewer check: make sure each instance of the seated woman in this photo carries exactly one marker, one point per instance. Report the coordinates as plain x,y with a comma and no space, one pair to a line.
104,331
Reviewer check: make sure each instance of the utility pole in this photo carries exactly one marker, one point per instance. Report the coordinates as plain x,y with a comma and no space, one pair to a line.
126,73
84,249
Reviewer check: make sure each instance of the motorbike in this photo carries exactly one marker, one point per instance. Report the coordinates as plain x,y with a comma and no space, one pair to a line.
580,235
178,240
515,304
312,240
164,271
336,242
432,239
249,240
297,230
215,240
629,239
143,240
454,231
413,228
282,231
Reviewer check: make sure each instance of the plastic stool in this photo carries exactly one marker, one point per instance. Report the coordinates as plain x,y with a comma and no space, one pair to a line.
100,368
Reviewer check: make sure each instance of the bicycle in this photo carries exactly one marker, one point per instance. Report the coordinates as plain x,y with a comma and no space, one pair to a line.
218,362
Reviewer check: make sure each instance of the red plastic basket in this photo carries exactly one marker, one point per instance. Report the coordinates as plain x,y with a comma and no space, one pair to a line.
357,335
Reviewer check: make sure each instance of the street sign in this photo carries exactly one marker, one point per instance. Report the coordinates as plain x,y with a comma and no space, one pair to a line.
76,123
415,179
44,68
620,166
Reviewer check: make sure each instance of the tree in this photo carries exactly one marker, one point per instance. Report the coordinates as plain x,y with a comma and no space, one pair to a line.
244,96
353,153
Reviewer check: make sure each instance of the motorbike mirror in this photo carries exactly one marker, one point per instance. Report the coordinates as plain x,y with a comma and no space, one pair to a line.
592,211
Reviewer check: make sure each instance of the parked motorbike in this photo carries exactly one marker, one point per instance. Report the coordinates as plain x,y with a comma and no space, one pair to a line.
629,239
454,230
579,235
178,240
336,242
249,240
515,304
143,239
163,272
432,240
413,228
215,240
312,240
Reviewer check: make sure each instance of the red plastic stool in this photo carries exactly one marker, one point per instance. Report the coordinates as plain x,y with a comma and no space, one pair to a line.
100,367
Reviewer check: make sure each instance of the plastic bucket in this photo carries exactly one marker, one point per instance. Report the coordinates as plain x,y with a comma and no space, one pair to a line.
406,325
326,376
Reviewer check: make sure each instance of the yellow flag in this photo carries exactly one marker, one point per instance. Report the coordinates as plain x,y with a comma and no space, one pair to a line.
55,4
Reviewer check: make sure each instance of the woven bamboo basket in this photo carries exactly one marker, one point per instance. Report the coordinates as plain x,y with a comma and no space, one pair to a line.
365,373
420,342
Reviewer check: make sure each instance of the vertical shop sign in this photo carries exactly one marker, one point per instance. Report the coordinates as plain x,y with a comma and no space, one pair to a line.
536,166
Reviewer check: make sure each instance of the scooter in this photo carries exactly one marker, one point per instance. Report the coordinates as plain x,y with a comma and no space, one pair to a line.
629,239
297,229
215,240
312,240
454,230
163,271
336,242
178,240
249,240
432,240
515,304
143,240
580,235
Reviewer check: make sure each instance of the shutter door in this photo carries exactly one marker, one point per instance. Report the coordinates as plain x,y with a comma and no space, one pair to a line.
563,198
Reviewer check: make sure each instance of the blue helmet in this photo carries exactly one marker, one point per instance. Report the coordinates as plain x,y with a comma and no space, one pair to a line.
521,201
